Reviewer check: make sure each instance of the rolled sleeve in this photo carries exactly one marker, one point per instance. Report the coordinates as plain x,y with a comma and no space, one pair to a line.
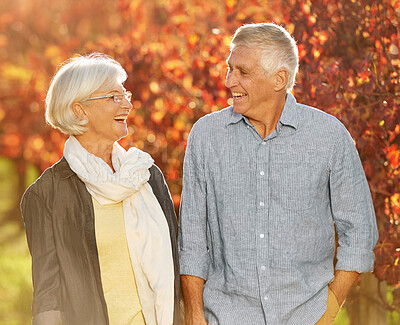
193,249
352,208
52,317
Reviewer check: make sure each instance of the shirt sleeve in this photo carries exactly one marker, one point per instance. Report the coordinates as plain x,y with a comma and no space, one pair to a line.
352,208
45,269
193,250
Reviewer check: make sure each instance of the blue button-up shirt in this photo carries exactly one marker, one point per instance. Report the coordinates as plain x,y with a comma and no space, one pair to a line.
258,215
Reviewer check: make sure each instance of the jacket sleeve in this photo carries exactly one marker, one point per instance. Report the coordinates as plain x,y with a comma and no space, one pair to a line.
45,269
161,191
352,208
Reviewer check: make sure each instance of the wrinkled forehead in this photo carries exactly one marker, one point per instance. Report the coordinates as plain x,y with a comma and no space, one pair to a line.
243,55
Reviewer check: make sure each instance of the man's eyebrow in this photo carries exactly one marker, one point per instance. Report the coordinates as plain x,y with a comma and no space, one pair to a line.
239,67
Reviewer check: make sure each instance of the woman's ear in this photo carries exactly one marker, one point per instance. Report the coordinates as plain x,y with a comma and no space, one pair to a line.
281,79
79,111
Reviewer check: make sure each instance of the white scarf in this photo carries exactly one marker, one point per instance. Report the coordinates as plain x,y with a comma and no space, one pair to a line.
146,228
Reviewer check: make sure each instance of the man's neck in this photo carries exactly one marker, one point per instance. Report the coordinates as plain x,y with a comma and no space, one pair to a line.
265,123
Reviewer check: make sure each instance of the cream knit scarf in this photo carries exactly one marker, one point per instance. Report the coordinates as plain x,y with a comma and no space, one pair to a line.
146,228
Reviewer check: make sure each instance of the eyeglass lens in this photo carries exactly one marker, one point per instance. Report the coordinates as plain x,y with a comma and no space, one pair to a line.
118,98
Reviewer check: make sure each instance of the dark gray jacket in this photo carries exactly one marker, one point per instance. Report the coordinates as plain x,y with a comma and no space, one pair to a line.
59,221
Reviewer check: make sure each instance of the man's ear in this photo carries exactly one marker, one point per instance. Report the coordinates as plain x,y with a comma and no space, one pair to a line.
79,111
281,79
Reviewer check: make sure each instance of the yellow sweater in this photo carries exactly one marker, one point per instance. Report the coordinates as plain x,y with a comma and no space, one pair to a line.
117,275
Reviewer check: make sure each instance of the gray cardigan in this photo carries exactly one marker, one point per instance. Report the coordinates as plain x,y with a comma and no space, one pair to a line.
59,220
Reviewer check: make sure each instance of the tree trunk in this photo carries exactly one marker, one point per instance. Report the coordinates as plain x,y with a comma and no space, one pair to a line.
364,305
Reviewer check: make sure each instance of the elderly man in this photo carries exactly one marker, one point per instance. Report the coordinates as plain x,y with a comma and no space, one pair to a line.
266,181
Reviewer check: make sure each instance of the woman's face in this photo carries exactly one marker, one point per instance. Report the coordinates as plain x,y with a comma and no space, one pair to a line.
107,119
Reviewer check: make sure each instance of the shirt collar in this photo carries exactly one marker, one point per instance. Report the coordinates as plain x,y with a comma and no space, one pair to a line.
234,118
289,112
288,116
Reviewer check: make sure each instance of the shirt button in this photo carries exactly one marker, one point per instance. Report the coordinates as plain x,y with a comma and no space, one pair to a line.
262,173
261,204
263,143
265,297
261,235
263,267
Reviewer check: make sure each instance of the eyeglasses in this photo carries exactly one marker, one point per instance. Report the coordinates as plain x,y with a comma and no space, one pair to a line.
117,98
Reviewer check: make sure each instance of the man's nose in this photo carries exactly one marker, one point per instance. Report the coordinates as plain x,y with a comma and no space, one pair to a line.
231,79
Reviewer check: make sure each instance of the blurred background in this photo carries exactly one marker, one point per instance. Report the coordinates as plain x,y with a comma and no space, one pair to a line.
174,52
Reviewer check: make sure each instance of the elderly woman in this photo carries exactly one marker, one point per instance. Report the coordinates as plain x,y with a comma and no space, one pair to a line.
100,223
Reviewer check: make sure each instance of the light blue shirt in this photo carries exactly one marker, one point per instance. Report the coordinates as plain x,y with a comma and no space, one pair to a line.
258,215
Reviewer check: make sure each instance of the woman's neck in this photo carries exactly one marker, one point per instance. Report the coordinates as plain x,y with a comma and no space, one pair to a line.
101,149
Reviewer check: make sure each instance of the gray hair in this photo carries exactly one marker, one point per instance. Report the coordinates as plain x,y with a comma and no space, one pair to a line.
74,82
278,48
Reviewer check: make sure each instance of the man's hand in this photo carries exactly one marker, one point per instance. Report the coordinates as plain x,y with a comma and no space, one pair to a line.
342,284
192,289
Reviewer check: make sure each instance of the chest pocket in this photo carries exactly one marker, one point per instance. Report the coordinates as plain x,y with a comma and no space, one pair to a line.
292,177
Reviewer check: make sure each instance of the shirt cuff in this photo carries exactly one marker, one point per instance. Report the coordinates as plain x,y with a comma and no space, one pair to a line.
356,260
194,265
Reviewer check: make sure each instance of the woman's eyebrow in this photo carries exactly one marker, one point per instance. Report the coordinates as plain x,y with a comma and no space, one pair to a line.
117,91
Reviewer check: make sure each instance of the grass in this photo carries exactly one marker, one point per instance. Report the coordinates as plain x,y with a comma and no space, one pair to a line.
15,261
342,318
15,279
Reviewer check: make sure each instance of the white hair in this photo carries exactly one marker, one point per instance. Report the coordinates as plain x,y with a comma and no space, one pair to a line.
74,82
278,48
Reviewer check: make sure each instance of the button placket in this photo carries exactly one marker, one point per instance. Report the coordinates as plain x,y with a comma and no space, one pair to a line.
261,175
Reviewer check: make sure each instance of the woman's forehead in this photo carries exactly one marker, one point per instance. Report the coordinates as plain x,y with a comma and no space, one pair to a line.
117,87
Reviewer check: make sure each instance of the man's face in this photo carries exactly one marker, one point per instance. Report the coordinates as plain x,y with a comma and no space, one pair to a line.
250,86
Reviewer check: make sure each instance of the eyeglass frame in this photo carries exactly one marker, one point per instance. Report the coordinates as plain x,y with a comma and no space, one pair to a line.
113,96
